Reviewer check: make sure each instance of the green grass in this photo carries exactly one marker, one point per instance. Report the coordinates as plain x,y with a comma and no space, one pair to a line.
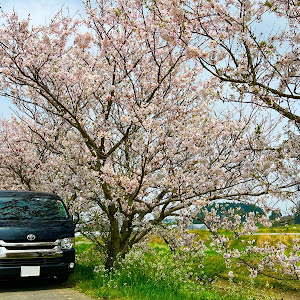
146,275
155,273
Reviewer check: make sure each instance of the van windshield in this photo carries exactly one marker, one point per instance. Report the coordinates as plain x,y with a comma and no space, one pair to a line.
36,208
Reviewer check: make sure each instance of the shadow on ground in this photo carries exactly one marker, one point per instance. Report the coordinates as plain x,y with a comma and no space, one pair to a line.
17,285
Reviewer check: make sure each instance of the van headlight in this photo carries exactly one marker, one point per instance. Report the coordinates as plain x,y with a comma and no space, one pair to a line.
67,243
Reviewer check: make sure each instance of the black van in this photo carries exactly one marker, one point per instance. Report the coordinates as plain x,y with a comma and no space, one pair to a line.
36,236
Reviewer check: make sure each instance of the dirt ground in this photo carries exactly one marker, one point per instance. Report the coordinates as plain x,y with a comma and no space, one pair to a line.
38,290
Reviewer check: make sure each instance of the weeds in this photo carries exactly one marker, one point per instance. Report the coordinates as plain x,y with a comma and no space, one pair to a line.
147,275
154,272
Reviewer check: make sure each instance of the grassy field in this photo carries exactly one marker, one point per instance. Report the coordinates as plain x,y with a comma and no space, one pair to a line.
154,273
281,229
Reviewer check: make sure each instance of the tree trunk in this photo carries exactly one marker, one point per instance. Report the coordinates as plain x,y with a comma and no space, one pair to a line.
114,242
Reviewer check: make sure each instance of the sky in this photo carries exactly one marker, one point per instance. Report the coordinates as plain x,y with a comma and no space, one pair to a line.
40,13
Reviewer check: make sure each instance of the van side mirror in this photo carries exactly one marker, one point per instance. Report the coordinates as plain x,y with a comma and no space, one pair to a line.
75,217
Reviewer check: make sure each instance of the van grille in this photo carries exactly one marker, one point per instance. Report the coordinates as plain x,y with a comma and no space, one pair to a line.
30,250
28,247
31,262
26,241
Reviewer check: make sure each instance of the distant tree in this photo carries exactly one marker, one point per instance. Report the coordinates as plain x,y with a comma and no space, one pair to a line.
222,210
275,215
297,214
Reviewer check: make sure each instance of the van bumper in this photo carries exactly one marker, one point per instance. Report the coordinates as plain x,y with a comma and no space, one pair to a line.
49,267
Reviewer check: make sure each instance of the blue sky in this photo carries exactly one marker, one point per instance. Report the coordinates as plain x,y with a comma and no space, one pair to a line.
41,12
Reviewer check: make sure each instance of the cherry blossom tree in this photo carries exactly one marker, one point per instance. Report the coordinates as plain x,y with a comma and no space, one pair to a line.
131,129
30,160
21,157
249,48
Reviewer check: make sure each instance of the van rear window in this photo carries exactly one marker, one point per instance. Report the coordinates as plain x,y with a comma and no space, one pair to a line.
38,208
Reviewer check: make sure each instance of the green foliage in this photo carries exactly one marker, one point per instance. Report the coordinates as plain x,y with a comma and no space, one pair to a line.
258,128
267,3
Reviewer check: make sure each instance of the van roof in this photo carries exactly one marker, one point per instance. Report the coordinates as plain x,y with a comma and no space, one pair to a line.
27,193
